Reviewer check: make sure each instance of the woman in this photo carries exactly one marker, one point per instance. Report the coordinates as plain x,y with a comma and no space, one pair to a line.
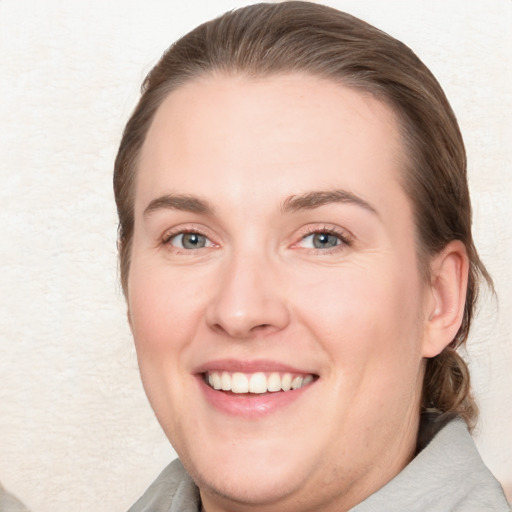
297,258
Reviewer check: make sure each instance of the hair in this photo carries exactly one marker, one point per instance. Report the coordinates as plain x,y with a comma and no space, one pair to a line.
268,39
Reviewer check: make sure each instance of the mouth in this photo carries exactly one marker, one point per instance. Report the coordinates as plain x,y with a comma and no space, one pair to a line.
253,389
257,383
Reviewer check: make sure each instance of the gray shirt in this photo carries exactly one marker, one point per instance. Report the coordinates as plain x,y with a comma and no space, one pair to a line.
9,503
448,475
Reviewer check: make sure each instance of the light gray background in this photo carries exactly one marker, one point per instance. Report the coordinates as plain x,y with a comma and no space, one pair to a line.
76,432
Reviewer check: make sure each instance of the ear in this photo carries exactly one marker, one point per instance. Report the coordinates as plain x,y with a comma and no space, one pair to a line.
446,298
129,317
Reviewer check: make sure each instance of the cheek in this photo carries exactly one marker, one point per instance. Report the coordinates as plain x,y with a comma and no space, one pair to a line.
366,317
163,318
162,310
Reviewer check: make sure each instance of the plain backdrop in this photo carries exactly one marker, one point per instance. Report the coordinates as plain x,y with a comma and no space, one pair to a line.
76,432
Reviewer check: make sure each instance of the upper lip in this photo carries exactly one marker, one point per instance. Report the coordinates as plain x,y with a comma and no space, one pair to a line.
252,366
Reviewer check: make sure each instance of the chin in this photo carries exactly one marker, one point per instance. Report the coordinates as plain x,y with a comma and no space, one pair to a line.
253,479
255,488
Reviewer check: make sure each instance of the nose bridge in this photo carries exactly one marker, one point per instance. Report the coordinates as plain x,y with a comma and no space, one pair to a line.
247,298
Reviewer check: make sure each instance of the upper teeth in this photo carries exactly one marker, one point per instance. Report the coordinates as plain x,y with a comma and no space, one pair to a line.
258,382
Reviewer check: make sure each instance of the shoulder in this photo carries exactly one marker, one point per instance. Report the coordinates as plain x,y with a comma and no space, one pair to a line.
173,490
448,475
9,503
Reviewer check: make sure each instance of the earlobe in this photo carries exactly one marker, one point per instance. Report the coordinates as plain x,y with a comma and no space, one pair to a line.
445,307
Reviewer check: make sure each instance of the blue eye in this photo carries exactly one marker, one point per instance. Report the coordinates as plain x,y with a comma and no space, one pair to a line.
322,240
189,241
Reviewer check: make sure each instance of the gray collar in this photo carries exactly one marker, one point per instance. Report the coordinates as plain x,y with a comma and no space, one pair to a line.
448,475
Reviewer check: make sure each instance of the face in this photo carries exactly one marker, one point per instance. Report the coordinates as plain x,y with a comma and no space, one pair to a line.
274,291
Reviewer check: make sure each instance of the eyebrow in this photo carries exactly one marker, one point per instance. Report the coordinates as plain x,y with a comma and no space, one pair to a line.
181,202
315,199
307,201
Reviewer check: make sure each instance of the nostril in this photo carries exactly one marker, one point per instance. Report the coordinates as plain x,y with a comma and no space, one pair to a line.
261,327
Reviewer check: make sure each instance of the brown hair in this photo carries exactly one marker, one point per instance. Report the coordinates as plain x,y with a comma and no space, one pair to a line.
266,39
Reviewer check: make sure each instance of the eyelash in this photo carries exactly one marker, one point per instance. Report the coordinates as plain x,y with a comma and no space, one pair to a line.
167,238
346,240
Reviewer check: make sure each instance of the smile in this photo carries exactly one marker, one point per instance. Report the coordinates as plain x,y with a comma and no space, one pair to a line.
257,383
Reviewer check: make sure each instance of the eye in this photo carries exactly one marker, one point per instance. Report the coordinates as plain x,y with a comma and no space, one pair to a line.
324,239
189,240
321,241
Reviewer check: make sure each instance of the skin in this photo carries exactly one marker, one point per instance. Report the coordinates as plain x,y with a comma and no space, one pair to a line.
358,315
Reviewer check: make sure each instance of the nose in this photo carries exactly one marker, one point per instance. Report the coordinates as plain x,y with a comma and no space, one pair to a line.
248,299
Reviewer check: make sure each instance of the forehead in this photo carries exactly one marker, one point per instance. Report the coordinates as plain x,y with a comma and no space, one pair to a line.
222,130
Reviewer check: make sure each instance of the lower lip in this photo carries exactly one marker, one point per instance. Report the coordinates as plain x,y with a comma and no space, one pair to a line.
250,405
